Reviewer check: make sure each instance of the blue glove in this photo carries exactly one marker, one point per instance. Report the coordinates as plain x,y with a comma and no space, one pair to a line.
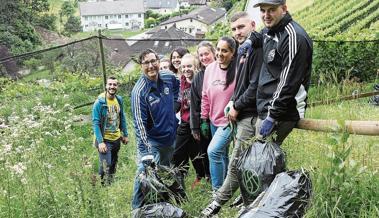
267,127
244,48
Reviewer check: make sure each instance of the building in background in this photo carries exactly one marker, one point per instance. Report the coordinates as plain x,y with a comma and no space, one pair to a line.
162,6
198,21
125,14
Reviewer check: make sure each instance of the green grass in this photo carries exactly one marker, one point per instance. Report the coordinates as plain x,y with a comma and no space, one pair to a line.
47,162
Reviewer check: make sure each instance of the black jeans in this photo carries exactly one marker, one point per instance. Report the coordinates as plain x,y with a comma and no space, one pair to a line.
187,148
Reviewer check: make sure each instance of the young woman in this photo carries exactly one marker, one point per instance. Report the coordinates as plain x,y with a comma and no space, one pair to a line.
186,147
175,59
206,54
218,87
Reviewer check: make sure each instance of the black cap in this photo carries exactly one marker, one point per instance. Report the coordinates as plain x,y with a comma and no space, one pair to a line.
269,2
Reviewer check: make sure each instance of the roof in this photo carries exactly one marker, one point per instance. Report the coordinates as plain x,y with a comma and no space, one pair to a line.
196,2
164,47
153,4
203,14
118,51
111,7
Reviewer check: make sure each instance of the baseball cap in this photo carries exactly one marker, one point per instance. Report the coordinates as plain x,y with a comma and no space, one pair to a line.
269,2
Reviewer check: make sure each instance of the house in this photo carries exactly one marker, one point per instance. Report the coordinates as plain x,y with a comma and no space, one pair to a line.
162,6
126,14
197,21
188,3
163,47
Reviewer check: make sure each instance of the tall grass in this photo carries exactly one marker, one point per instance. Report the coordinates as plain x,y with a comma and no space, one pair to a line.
48,167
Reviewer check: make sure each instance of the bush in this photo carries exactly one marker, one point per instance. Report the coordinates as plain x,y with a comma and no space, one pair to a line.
360,59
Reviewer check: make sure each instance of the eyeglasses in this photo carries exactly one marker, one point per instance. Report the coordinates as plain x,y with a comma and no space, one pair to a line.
153,62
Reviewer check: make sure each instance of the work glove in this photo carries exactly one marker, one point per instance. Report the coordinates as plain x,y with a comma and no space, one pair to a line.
244,48
227,108
267,127
204,128
148,160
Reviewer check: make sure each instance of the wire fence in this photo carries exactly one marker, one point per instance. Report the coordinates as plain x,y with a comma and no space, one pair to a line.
96,55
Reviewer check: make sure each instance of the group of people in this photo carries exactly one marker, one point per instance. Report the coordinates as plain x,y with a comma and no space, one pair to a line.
189,107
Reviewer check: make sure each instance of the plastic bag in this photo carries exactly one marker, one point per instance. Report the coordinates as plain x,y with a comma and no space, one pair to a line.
162,184
287,196
164,210
258,167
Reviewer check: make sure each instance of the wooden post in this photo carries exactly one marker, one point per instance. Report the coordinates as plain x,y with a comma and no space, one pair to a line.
351,126
102,59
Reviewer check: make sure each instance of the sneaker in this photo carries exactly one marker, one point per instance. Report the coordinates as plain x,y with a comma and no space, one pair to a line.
237,202
195,183
211,210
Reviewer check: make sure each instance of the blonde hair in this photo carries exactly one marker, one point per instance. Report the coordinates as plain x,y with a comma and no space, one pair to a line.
195,61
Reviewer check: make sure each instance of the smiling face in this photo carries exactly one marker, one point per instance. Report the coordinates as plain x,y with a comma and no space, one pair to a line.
206,55
176,59
241,28
150,66
188,67
164,65
272,14
111,87
224,53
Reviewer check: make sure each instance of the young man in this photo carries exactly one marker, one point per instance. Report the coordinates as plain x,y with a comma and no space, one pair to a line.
241,109
109,126
286,71
154,99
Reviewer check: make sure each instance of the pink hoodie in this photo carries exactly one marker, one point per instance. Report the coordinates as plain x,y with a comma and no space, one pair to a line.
214,97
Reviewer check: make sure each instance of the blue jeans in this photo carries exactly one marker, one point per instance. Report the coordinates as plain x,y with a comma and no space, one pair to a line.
162,156
108,161
218,154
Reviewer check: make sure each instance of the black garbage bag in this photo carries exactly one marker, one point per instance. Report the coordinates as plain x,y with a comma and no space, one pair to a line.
258,167
287,196
161,210
162,184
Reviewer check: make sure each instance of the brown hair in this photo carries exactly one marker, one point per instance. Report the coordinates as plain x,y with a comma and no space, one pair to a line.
238,15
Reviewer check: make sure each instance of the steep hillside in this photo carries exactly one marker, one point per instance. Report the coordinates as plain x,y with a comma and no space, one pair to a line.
348,19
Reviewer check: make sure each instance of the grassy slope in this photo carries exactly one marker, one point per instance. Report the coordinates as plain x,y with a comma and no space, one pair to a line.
60,161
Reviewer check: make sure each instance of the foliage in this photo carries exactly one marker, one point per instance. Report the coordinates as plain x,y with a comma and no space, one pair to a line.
50,170
357,59
150,22
72,25
47,22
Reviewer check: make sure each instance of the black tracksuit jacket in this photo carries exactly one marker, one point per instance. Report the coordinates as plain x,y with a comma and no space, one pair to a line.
285,75
244,96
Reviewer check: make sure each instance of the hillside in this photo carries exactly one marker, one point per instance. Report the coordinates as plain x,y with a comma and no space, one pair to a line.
348,19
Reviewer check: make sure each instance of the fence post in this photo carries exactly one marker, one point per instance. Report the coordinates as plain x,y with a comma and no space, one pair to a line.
102,59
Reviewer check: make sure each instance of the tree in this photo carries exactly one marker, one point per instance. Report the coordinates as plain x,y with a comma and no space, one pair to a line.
72,25
47,22
67,10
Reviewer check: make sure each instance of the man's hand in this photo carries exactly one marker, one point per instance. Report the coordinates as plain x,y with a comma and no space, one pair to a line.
196,135
147,160
267,127
102,147
232,115
124,140
227,108
204,127
244,48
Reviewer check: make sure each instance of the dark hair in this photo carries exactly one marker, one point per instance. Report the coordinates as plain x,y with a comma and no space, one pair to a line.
146,52
231,71
181,51
207,44
238,15
112,77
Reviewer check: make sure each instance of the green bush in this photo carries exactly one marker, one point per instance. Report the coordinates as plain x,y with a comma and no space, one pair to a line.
360,59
